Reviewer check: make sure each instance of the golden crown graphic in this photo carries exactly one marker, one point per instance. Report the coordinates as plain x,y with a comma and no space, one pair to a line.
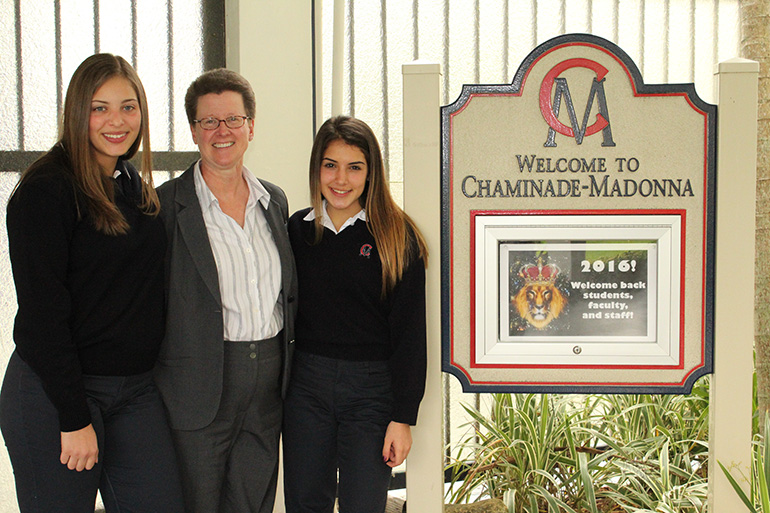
539,274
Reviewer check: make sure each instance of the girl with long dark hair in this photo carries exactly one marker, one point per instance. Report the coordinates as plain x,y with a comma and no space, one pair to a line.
79,410
359,366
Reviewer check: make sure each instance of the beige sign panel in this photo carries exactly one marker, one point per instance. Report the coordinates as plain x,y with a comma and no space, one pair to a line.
577,227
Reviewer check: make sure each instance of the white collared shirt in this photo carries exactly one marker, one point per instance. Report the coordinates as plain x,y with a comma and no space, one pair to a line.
327,221
248,263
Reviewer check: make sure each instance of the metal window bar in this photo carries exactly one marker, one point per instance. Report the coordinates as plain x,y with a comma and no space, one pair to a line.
351,60
170,44
20,96
385,143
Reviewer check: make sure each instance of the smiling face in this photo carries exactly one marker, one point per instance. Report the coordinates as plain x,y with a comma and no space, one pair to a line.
343,179
222,149
115,121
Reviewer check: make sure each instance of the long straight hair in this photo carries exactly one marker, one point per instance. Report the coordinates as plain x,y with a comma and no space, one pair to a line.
398,240
91,180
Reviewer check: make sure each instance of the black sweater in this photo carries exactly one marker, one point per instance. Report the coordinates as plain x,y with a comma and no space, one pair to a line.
89,303
342,313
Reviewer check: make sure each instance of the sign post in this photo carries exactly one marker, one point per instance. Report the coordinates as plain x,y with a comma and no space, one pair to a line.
422,186
731,385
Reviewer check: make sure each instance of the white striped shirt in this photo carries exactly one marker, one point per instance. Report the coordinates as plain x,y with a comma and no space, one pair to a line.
248,263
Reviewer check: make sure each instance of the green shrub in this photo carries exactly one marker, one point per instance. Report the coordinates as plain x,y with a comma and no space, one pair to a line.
592,453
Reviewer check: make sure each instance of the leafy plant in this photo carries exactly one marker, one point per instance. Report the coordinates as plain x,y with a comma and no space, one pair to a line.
525,447
658,485
587,454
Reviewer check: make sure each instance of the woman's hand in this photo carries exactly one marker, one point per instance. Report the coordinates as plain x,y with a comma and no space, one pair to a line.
398,441
79,449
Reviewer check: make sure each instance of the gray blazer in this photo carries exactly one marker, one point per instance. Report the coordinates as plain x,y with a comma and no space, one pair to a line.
189,372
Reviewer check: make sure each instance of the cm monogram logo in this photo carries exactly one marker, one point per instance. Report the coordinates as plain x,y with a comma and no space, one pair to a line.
550,109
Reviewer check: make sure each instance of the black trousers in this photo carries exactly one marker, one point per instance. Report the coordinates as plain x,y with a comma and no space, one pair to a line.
231,465
335,417
137,470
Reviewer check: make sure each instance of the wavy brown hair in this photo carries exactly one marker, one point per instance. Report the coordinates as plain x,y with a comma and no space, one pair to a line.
398,240
92,181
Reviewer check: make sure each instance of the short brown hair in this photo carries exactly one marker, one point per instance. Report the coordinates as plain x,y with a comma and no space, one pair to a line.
218,81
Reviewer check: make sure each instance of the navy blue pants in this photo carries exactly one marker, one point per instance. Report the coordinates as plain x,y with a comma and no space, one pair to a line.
335,417
137,469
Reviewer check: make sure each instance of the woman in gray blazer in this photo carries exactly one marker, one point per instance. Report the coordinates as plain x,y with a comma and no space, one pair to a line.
231,284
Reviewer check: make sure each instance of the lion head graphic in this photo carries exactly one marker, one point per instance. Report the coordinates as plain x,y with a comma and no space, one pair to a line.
539,301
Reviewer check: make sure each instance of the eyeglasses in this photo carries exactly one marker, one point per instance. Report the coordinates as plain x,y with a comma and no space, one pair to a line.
232,122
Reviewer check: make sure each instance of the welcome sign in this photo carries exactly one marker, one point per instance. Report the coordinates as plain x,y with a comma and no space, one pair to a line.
578,227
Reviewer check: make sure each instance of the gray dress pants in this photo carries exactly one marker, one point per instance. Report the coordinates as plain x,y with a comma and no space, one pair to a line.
231,465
